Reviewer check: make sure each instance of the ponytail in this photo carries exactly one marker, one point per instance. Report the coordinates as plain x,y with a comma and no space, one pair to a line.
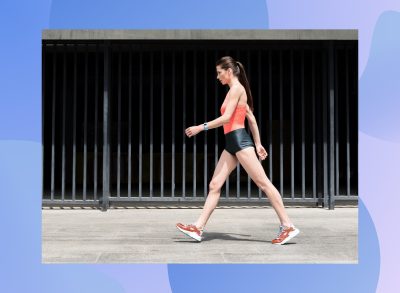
244,81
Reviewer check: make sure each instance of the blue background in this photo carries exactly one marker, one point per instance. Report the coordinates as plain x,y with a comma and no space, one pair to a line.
378,23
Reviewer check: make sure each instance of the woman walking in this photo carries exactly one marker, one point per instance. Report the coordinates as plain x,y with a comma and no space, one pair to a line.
239,147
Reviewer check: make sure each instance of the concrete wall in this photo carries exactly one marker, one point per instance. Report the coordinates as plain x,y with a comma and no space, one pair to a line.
199,34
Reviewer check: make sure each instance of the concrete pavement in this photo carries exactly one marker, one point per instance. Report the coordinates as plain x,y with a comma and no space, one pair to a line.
233,235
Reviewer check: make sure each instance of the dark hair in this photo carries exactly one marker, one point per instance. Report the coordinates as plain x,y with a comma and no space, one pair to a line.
238,70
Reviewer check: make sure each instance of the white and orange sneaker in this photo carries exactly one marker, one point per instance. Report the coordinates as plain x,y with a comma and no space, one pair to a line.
191,231
285,234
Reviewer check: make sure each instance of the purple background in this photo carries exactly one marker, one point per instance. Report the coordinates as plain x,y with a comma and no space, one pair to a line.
378,23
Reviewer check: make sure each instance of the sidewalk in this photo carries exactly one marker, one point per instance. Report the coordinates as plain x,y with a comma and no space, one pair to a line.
233,235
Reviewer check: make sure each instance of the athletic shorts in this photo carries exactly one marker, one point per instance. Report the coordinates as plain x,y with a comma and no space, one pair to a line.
237,140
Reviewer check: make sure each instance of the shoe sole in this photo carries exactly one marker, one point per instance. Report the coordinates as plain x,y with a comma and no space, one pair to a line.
291,236
190,234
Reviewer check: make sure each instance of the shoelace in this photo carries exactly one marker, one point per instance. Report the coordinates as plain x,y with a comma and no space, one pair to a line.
281,228
194,226
280,231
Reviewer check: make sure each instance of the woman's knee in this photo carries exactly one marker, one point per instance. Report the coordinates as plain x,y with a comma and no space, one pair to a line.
265,186
271,192
215,185
265,190
261,182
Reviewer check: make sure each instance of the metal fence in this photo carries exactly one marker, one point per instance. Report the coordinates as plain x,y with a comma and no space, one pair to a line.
114,115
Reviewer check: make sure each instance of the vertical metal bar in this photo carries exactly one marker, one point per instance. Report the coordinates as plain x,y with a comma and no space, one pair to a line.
130,80
140,125
184,125
119,128
354,108
227,187
216,114
260,124
336,98
281,122
331,173
74,126
238,165
151,120
249,76
64,97
270,113
106,141
292,124
85,127
53,121
303,168
314,150
227,183
44,102
162,125
325,126
173,126
347,126
96,97
238,180
205,119
194,119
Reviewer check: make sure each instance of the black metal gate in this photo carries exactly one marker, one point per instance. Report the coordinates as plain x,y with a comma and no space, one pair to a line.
114,114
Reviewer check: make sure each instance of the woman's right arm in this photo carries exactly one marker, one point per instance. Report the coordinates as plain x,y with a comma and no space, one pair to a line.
232,101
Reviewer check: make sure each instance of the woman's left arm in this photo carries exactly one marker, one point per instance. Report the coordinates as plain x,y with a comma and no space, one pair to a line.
262,153
251,119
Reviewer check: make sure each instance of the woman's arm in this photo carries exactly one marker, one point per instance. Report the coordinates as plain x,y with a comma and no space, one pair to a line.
261,152
231,104
251,119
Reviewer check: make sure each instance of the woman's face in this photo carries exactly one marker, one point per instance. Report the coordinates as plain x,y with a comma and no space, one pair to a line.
224,76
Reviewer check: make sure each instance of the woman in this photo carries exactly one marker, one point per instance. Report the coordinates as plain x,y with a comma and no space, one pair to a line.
239,147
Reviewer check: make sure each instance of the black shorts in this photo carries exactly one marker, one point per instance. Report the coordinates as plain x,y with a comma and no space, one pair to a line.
237,140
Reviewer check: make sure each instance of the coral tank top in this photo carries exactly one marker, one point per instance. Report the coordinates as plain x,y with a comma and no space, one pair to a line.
237,118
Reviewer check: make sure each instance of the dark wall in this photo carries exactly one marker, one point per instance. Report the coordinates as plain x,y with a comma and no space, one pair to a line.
157,89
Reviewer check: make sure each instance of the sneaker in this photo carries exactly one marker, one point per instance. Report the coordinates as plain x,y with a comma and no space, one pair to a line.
191,231
285,234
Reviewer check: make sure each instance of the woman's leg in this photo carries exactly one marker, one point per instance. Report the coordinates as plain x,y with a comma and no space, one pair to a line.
226,164
248,159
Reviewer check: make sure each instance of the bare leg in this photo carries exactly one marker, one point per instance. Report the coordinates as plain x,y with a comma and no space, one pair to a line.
248,159
226,164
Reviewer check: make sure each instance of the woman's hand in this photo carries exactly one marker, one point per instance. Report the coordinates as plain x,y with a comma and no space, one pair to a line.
261,152
193,130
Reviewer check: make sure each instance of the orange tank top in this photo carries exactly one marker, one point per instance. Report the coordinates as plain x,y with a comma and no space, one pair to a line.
237,118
